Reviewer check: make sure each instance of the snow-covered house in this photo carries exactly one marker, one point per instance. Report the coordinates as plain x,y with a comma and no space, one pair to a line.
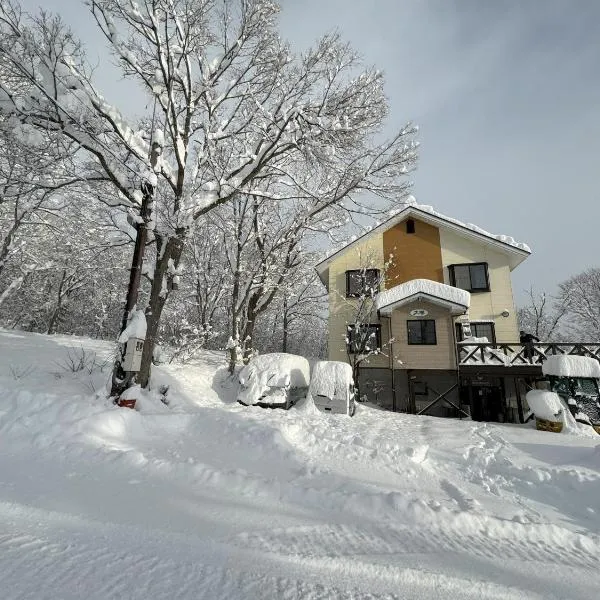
439,282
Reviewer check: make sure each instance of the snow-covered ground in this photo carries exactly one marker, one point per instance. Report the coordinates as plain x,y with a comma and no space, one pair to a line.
209,499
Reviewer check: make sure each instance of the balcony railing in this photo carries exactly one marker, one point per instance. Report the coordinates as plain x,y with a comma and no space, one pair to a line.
517,354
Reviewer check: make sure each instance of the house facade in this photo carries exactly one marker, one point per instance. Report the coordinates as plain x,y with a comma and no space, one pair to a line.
438,282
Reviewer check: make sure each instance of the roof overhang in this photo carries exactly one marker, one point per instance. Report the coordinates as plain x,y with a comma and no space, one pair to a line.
457,301
453,307
516,255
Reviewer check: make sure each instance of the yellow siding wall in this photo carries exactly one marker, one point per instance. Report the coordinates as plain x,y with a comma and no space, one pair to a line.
457,249
368,254
439,356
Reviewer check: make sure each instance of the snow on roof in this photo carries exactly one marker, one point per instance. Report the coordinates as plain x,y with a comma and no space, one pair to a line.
416,288
571,366
411,205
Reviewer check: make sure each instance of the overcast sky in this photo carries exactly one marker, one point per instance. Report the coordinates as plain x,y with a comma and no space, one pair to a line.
507,97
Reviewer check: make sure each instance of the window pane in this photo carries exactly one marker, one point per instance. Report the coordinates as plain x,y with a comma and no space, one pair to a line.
353,279
421,332
429,332
478,278
485,330
414,332
362,281
364,338
371,281
462,278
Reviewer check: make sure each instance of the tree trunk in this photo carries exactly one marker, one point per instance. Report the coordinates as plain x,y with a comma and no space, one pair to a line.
161,284
55,313
284,341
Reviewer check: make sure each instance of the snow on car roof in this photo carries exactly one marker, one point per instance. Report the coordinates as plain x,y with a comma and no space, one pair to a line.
571,366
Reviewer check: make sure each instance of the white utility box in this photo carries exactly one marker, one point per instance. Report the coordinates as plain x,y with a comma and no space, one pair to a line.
133,354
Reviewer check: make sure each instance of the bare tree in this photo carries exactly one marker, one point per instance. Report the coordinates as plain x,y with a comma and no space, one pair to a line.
542,316
233,107
580,297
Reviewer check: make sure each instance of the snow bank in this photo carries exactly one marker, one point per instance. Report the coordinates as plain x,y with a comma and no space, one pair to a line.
268,372
546,405
418,287
571,366
136,327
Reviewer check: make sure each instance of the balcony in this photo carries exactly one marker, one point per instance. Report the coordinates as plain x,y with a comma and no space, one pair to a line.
520,355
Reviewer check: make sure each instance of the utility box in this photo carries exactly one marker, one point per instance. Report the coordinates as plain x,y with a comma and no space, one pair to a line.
133,354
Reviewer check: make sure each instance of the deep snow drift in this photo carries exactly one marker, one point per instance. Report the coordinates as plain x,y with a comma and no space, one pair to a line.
209,499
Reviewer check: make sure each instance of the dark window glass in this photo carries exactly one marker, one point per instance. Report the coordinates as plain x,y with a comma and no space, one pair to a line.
364,338
410,226
362,281
479,330
472,277
420,388
421,332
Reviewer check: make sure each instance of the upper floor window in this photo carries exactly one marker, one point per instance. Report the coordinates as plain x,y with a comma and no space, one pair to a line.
421,332
482,329
410,226
362,281
364,338
472,277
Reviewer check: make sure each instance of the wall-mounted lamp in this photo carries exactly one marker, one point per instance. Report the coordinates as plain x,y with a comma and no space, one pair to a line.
505,313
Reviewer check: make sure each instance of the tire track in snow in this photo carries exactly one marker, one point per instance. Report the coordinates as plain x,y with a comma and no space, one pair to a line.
331,540
75,558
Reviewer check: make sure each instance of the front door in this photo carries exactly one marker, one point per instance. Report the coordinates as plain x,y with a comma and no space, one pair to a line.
487,403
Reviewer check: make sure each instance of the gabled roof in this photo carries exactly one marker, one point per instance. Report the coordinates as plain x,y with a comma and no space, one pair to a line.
455,299
517,251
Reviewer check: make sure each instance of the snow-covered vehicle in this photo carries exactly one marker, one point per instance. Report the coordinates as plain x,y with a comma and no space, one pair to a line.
575,379
332,387
275,380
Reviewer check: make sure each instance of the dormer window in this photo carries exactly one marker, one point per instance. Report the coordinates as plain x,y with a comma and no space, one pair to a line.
472,277
362,281
410,226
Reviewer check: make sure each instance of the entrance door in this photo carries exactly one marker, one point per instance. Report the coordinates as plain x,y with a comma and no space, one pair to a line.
487,403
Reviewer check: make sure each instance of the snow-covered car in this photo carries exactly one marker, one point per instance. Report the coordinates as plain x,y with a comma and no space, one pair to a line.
275,380
332,387
575,379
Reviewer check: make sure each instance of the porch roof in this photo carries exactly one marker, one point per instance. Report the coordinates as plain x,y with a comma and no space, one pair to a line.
455,299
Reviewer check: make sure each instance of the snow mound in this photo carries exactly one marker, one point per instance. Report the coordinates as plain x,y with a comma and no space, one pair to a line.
412,290
546,405
571,366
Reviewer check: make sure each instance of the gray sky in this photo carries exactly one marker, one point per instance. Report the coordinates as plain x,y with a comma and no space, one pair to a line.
507,97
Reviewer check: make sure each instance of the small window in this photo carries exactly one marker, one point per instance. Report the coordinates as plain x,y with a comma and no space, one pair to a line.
422,332
362,281
410,226
364,338
420,388
478,330
470,277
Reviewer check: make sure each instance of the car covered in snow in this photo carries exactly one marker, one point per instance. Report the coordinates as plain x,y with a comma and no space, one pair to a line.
276,380
332,387
575,379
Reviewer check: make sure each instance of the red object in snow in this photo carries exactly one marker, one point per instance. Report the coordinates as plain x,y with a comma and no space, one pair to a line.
126,403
